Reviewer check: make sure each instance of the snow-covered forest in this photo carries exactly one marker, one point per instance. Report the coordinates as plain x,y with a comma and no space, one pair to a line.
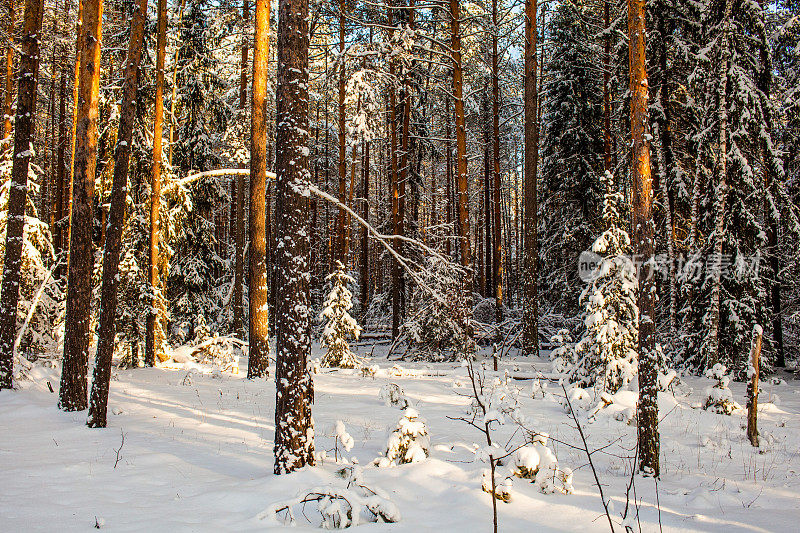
454,265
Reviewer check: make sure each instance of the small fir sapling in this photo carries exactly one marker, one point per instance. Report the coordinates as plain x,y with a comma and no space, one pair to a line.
605,356
339,325
719,397
409,443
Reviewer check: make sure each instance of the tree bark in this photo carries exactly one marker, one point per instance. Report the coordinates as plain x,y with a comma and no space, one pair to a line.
397,271
365,277
497,259
641,180
294,446
258,274
341,217
530,338
607,87
98,404
152,325
73,393
24,125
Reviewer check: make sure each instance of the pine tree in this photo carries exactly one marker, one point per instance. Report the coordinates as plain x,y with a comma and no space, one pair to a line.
339,325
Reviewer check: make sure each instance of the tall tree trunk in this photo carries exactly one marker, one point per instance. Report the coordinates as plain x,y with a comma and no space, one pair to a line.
397,271
641,181
294,445
238,274
24,129
72,393
461,162
341,218
258,274
98,403
152,325
174,99
497,259
485,256
9,91
365,277
607,87
448,177
530,320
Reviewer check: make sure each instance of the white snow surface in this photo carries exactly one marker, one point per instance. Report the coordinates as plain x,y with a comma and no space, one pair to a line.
197,455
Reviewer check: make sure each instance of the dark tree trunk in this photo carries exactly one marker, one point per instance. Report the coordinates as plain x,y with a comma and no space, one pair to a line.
497,258
24,125
152,326
72,393
531,245
641,181
258,274
98,403
294,446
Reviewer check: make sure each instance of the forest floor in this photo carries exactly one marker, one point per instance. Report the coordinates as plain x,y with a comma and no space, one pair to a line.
197,455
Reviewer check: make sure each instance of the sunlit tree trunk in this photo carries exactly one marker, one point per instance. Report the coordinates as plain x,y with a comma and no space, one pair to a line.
73,390
9,89
641,180
497,259
152,325
258,274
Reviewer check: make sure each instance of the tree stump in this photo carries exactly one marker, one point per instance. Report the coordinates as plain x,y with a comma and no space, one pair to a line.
752,387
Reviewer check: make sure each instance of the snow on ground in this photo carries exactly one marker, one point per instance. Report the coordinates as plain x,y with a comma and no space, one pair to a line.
197,456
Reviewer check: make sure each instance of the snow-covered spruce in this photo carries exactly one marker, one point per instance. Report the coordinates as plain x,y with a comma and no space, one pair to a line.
408,443
605,355
339,325
719,398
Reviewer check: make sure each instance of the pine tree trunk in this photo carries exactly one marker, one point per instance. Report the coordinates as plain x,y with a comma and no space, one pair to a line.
152,325
258,274
607,87
397,272
448,177
174,99
98,403
641,180
58,197
497,259
238,275
9,91
485,280
530,339
24,128
73,393
365,277
341,217
294,446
